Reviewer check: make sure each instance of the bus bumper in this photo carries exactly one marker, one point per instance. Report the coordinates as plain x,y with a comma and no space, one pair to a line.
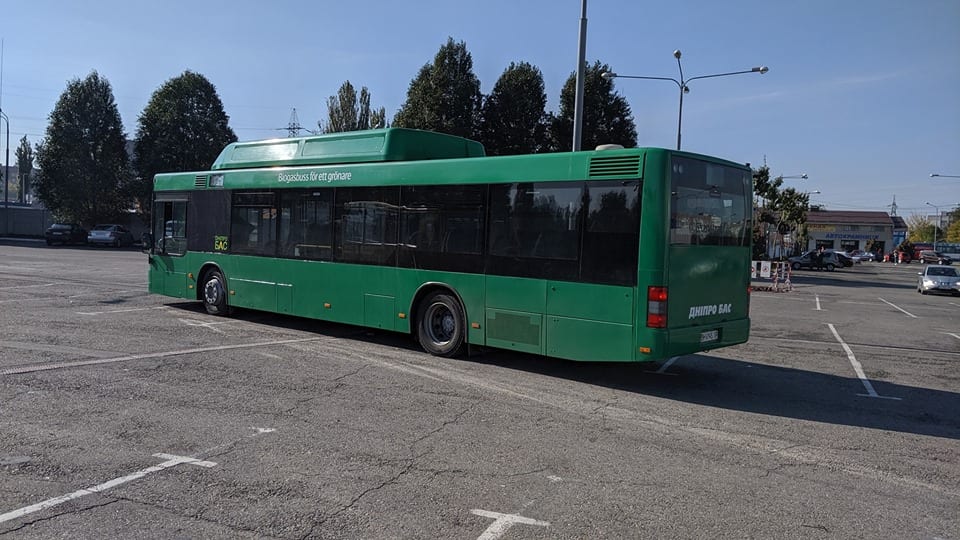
697,339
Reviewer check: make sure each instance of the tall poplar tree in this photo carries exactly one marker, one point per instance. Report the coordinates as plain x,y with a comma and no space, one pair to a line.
445,96
24,166
513,118
83,160
346,113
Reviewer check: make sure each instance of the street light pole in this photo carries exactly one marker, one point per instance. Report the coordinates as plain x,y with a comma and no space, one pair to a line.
935,175
935,225
581,74
6,179
682,83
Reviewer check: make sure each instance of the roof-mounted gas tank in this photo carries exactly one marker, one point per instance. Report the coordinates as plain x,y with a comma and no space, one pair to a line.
390,144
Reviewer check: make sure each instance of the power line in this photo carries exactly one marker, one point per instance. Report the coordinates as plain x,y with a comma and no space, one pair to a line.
293,126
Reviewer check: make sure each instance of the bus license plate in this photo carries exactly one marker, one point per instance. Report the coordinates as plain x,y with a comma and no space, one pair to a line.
709,335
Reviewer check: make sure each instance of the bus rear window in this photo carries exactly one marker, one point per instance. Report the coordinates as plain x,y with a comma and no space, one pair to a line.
710,204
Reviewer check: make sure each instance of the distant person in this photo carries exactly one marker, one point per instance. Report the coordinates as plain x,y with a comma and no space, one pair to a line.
819,258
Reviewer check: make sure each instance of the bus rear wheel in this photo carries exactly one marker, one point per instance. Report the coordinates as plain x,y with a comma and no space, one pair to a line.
215,293
440,325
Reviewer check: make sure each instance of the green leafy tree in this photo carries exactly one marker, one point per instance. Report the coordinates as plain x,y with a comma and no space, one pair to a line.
25,166
182,128
606,114
513,117
445,95
346,113
776,211
953,232
82,161
920,229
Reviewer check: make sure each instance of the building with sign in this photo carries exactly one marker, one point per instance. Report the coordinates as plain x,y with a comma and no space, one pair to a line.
848,230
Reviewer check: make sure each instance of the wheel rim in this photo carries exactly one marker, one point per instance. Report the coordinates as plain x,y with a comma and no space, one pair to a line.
439,323
212,292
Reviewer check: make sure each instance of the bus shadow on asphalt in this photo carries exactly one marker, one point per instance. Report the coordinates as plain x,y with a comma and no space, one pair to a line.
702,380
763,389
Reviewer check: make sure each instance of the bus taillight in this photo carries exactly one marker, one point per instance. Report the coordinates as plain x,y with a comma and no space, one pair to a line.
656,307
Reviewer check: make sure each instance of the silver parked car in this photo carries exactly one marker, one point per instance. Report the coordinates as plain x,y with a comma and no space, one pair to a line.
110,235
939,278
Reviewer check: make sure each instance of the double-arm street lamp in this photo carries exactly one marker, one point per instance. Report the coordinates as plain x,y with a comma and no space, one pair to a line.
682,83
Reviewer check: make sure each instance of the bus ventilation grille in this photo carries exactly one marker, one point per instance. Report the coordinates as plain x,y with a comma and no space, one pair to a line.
615,166
201,181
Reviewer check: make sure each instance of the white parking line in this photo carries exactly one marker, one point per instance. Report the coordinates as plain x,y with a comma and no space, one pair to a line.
954,335
109,311
898,307
858,368
503,522
172,461
817,296
26,286
94,293
146,356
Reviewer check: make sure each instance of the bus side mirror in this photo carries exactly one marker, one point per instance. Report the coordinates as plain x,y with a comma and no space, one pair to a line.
146,242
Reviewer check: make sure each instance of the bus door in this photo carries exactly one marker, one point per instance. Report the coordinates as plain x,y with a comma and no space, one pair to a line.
167,266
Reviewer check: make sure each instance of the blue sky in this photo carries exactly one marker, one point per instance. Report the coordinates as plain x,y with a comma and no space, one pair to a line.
863,97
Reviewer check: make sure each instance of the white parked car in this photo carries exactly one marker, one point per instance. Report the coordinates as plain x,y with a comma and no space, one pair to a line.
939,279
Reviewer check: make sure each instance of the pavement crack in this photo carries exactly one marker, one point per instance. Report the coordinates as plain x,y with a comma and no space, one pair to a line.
77,510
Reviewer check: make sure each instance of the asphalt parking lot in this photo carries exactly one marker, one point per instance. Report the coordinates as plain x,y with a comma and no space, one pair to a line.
126,414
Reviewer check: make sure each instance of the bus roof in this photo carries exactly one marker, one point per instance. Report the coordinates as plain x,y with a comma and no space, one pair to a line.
390,144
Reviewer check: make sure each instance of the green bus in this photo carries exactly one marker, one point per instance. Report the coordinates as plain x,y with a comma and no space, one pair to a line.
607,255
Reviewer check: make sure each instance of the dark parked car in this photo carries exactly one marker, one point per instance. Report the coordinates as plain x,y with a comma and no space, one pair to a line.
830,261
934,257
110,235
65,233
845,259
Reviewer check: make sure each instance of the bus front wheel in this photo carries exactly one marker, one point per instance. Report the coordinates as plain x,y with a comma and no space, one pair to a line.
215,293
440,325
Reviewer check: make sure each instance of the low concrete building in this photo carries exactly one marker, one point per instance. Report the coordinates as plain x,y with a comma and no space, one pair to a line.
850,230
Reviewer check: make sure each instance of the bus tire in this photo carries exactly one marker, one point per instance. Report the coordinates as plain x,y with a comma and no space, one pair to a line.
215,293
440,325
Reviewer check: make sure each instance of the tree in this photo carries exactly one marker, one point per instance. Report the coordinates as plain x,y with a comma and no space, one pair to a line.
513,116
344,113
445,96
25,166
920,229
953,232
82,161
182,128
785,209
606,114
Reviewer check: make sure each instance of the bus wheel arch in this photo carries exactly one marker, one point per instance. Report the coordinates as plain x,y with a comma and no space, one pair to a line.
212,290
439,320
